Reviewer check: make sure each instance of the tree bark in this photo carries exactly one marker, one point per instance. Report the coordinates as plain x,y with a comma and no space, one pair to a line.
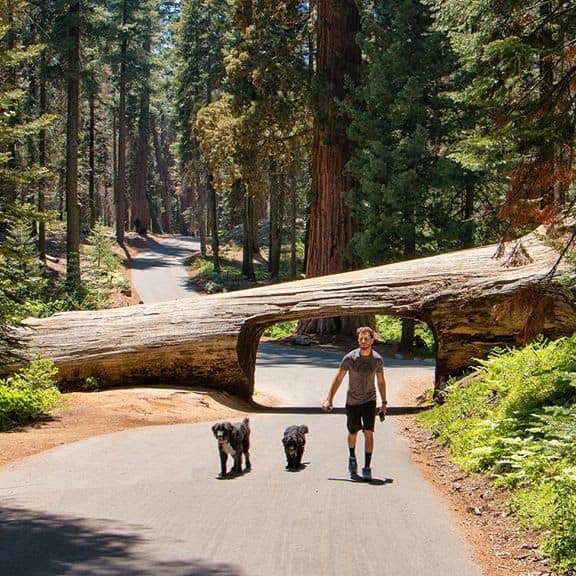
166,184
337,62
247,233
213,221
276,220
140,206
72,132
92,160
471,301
120,180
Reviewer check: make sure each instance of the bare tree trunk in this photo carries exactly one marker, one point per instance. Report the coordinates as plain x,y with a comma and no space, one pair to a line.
407,338
471,302
293,215
213,221
247,236
201,213
72,131
276,220
140,206
120,181
42,161
91,160
166,184
338,61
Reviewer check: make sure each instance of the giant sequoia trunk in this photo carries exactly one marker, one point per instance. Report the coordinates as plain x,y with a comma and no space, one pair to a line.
471,301
337,62
140,206
72,132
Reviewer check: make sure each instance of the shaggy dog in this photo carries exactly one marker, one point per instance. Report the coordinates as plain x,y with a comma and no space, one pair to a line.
233,439
294,441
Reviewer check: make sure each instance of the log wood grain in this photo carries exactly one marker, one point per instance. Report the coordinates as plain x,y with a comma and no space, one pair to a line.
468,298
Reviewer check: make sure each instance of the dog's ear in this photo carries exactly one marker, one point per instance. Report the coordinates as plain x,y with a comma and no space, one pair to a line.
214,428
228,426
304,429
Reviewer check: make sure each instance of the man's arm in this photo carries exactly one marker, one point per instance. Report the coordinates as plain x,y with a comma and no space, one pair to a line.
327,405
382,388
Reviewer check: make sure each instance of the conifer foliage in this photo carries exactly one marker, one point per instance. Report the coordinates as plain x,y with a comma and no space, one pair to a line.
520,59
401,124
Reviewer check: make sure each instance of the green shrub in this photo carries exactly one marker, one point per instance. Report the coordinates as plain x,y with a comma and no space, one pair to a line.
281,329
28,394
516,420
390,329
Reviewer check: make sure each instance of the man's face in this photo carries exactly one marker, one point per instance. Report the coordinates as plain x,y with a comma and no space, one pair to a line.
365,340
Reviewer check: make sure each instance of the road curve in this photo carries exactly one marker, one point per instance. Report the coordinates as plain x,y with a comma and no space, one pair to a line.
158,273
148,502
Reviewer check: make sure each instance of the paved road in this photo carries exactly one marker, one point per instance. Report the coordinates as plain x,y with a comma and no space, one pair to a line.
158,273
148,501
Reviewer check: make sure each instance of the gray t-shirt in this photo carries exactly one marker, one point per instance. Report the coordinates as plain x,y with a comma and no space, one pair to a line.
361,371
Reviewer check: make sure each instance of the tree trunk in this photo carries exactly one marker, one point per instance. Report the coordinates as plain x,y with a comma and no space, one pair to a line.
293,236
338,62
201,213
166,184
247,236
72,132
472,302
140,206
214,223
407,338
91,160
42,159
120,180
276,220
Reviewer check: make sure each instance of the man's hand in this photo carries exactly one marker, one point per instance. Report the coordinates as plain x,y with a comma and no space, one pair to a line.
327,405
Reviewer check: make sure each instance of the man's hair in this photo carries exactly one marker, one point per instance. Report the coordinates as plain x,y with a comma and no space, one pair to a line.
365,329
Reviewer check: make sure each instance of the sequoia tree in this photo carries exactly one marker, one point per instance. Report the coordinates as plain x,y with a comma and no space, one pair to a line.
337,65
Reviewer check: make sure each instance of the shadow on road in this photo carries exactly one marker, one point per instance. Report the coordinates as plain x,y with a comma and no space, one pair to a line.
391,411
360,480
143,262
39,544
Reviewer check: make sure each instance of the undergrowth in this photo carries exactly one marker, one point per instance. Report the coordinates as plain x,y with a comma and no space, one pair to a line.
28,394
389,328
516,421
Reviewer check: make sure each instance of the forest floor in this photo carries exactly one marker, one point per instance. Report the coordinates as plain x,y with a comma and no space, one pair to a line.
482,513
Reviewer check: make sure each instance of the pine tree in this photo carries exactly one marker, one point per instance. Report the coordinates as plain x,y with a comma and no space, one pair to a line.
20,271
521,63
400,125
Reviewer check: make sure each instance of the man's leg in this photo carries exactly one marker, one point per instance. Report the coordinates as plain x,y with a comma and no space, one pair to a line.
354,424
369,441
352,462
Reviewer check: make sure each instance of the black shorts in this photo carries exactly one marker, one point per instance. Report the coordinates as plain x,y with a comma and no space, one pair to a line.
361,416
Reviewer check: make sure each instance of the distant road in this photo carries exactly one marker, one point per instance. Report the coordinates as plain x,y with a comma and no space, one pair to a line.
158,273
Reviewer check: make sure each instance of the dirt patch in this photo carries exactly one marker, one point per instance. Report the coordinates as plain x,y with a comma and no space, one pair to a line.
84,414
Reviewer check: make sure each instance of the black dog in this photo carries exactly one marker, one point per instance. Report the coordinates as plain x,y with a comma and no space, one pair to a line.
233,439
294,441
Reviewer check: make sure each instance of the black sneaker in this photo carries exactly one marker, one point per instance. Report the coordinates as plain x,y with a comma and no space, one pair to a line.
367,474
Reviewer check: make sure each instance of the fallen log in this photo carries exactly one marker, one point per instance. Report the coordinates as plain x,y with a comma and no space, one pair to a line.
471,301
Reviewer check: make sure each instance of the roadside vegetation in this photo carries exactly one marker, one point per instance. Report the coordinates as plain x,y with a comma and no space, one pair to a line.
29,289
389,329
28,394
515,421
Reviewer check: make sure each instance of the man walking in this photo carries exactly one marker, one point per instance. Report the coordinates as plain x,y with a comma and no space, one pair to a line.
362,364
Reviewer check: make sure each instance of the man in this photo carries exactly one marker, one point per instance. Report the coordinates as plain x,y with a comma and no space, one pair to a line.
362,364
